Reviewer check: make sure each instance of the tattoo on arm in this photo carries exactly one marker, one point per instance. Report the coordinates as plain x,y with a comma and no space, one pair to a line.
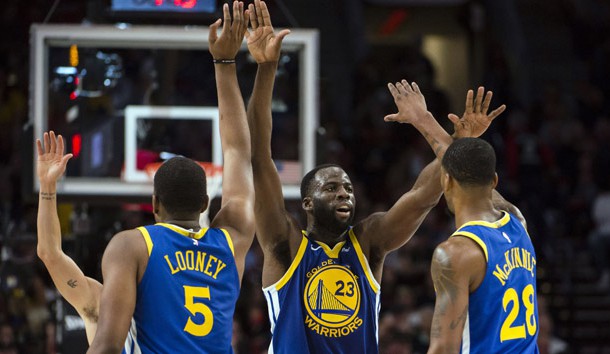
436,146
443,278
72,283
47,196
459,322
447,288
436,328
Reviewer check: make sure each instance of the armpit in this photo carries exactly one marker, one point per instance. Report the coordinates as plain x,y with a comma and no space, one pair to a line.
281,252
91,313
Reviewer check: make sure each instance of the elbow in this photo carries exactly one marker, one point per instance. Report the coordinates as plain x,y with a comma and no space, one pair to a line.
429,203
43,254
47,256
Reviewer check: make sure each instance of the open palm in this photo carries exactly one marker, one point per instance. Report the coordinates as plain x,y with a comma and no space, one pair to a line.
231,37
263,44
51,162
475,119
409,100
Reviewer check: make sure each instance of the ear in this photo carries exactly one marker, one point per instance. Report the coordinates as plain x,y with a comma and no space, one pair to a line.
495,181
155,204
206,204
307,204
446,181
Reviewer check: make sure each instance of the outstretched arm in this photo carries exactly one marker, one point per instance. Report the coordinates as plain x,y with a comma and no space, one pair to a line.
273,224
475,120
406,215
412,109
389,230
474,123
81,292
237,210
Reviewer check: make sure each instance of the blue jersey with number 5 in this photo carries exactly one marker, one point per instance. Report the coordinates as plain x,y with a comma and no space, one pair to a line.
187,295
502,311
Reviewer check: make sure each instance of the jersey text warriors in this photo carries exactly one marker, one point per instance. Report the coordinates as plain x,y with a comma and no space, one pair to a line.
187,296
502,311
327,302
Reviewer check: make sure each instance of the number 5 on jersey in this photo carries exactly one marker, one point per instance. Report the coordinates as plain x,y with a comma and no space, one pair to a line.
190,294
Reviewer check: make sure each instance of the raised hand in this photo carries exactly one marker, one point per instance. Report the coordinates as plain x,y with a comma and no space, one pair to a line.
232,35
263,44
410,102
51,162
475,120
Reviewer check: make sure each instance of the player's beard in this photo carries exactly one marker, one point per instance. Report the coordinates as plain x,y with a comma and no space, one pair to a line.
325,218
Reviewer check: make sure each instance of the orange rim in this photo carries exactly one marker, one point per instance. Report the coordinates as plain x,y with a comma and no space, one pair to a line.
211,169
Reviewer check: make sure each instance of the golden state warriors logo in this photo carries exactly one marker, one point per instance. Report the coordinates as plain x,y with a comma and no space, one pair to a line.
332,300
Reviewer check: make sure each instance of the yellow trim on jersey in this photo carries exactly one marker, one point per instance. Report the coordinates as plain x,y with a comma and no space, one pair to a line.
201,233
475,238
363,261
334,252
147,239
229,241
184,232
295,263
494,225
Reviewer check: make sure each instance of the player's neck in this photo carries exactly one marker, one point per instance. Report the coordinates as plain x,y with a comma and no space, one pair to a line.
329,238
185,224
475,209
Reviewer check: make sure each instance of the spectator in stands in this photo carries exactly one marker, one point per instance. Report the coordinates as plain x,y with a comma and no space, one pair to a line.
599,239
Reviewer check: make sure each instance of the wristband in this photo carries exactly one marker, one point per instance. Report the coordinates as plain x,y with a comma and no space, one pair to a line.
224,61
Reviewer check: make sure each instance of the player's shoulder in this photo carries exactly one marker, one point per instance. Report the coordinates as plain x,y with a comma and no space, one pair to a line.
457,251
126,241
369,225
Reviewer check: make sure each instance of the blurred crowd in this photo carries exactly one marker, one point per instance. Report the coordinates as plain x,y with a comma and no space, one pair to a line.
553,162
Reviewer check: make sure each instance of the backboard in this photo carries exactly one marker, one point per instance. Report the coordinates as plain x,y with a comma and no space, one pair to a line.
123,95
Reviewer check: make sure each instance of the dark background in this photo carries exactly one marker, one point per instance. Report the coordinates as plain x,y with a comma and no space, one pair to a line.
548,60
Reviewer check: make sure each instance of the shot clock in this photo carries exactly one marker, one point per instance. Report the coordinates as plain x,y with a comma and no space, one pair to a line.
180,6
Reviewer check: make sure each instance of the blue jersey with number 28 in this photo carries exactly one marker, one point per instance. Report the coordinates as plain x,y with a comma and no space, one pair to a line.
502,311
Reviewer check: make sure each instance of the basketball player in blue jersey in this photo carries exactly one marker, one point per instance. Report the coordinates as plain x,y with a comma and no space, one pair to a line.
485,273
178,283
322,284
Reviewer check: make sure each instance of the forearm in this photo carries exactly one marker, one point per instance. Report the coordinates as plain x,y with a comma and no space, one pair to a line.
269,204
438,139
78,290
406,215
49,231
259,111
262,93
428,184
233,123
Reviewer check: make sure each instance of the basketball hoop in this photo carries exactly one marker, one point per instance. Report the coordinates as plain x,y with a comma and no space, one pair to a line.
213,174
